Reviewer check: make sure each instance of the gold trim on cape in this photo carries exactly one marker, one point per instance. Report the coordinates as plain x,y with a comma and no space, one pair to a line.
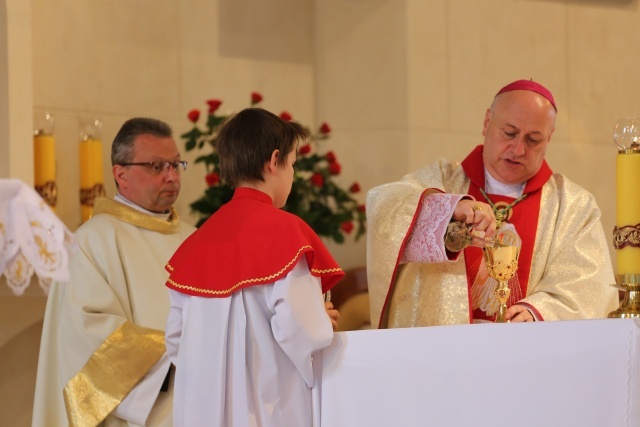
111,372
265,279
137,218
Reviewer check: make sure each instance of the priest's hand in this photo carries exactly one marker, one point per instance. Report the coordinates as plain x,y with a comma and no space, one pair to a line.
478,214
333,314
518,313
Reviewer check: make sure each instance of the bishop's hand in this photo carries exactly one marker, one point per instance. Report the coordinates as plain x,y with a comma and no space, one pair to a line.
478,215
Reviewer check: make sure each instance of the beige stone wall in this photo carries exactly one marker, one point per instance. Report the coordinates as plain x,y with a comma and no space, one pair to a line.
400,81
20,331
116,60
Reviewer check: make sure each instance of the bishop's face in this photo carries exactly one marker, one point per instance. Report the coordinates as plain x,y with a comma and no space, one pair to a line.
517,132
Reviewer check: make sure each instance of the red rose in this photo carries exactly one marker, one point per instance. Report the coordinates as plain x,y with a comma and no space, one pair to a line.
347,226
335,168
362,208
325,128
212,179
317,179
194,115
286,116
305,149
214,104
355,188
331,158
255,98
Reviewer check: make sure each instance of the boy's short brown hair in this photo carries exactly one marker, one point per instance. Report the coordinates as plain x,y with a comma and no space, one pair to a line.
246,141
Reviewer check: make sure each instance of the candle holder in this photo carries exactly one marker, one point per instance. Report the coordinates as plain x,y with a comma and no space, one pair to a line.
626,233
629,284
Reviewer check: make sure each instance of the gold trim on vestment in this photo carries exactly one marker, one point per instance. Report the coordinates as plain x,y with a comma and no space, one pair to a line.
137,218
111,372
265,279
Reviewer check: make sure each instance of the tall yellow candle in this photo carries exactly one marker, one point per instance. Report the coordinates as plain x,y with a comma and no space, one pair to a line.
44,168
628,208
91,175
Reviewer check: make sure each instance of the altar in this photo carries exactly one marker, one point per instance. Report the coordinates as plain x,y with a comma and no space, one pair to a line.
569,373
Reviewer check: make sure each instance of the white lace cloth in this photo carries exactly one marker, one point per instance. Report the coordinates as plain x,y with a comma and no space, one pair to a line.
32,238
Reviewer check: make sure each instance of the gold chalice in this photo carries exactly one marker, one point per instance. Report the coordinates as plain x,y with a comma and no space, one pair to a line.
502,264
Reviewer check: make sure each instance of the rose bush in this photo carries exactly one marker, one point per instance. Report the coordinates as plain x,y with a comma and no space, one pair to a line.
315,197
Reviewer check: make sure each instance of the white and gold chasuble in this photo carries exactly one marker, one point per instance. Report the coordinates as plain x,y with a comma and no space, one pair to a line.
570,275
102,347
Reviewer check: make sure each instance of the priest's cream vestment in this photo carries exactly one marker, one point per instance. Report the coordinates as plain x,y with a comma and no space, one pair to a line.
102,356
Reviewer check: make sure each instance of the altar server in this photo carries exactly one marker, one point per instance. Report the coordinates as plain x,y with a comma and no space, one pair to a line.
247,312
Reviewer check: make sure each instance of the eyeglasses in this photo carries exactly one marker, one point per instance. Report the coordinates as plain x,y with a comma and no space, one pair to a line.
159,167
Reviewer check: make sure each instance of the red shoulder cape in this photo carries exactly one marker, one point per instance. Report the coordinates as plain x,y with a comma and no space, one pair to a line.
247,242
524,218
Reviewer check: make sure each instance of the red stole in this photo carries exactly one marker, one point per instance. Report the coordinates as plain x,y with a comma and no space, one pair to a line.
247,242
524,218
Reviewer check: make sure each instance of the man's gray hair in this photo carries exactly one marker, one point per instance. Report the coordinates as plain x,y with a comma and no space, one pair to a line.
122,147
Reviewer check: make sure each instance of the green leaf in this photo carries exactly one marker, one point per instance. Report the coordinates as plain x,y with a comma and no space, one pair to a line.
192,134
214,122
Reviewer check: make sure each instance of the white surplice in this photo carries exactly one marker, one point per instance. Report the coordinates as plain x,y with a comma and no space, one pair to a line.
246,360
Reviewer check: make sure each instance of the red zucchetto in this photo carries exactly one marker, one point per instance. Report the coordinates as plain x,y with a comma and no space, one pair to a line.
532,86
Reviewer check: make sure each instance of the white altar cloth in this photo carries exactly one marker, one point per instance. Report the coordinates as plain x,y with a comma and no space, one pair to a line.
32,238
571,373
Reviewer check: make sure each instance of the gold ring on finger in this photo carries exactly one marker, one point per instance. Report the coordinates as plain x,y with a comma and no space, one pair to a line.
477,208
